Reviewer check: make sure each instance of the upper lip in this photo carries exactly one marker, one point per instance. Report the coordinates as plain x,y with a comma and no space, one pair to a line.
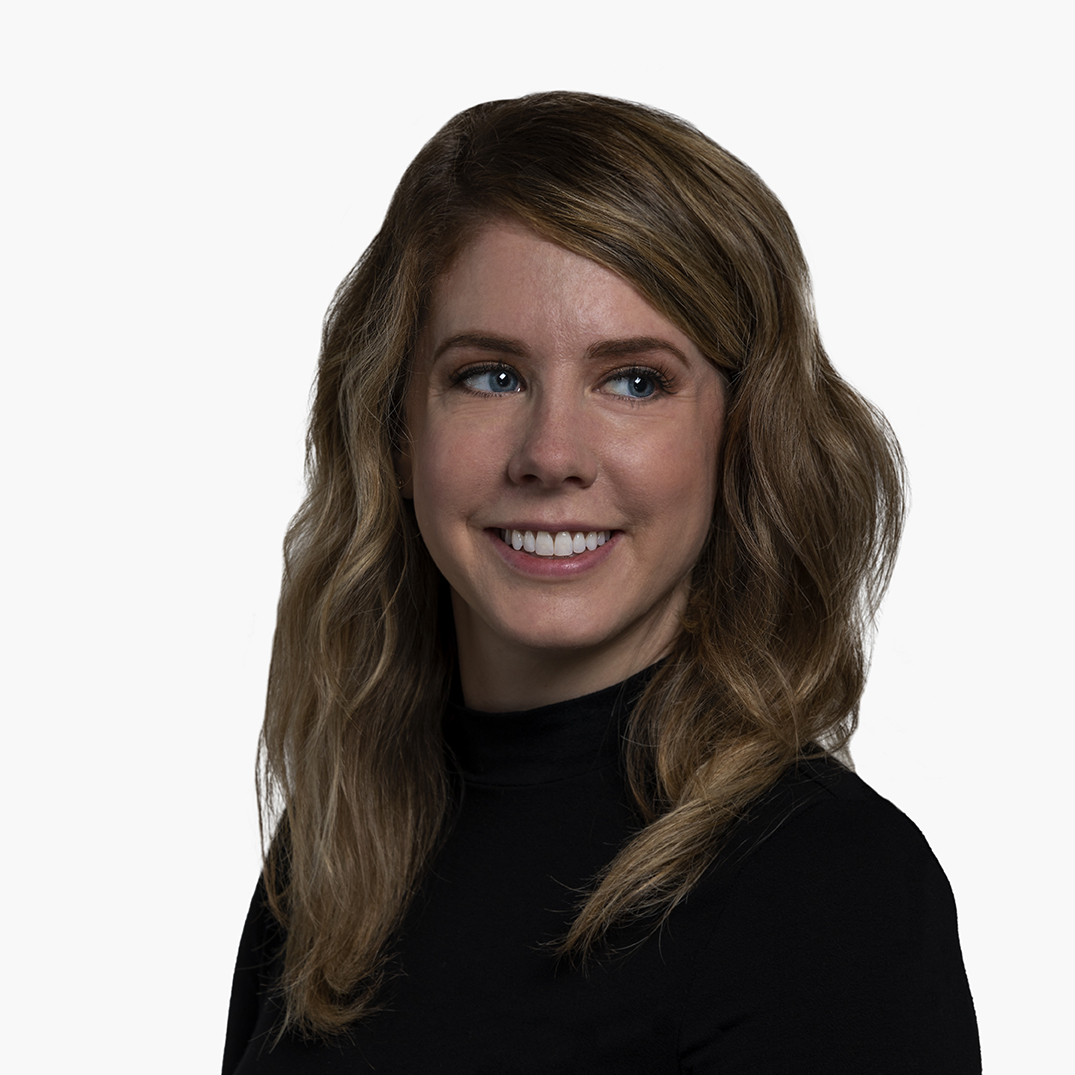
553,528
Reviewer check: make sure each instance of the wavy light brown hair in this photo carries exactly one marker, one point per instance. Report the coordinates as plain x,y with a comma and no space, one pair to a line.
771,658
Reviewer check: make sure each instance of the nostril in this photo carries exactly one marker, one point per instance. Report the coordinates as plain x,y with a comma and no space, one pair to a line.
545,464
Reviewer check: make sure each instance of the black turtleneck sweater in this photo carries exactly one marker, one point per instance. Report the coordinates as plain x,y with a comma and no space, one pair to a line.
823,938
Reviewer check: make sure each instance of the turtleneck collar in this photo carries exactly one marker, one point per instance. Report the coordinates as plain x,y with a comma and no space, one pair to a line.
539,746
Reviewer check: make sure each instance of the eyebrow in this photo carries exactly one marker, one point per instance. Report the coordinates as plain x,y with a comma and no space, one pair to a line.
505,345
634,345
501,345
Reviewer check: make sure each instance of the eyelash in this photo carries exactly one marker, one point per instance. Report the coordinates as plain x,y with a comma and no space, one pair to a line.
663,383
458,379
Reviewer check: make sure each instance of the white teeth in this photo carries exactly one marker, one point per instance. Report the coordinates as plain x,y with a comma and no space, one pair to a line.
562,543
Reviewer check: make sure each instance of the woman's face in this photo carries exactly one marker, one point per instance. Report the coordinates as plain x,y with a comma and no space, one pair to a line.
551,407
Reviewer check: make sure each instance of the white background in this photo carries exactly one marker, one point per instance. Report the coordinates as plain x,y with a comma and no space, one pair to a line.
185,186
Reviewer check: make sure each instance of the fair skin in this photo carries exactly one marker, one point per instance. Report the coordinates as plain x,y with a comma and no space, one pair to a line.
549,398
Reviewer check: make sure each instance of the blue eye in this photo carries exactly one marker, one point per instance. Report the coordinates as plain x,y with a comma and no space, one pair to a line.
635,384
496,380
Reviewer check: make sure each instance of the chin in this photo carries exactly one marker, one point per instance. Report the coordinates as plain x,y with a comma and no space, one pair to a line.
558,637
577,634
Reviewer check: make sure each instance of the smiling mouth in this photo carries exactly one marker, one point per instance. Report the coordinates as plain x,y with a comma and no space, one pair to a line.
561,543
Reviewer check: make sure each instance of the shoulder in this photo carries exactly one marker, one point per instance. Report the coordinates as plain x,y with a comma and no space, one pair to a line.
831,940
821,821
822,856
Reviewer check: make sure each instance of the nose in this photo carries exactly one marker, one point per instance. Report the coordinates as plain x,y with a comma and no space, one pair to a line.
555,445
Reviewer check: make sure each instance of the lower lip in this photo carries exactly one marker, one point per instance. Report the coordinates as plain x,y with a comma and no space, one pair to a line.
553,567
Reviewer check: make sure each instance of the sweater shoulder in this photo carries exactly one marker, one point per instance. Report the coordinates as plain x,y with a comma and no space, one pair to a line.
829,811
831,940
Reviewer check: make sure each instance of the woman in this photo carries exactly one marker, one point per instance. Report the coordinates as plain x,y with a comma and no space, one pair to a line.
571,640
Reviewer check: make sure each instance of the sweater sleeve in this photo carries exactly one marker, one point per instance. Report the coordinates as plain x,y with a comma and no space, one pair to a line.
246,984
836,952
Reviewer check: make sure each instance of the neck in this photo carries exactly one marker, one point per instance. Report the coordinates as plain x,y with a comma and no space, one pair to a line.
496,677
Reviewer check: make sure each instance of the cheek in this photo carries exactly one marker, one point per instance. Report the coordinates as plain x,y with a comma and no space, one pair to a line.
454,466
682,482
433,479
683,457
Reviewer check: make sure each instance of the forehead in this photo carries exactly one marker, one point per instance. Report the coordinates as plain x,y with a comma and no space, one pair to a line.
512,281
